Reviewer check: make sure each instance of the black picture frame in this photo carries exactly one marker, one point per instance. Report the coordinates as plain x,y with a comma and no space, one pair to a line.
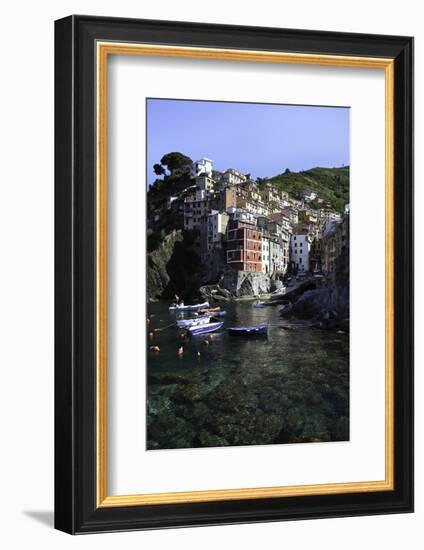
76,510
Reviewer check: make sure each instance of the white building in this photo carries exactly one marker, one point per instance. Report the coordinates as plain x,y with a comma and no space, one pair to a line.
195,211
205,183
202,166
300,247
233,177
255,207
265,255
276,258
269,194
241,215
309,196
327,216
217,227
285,250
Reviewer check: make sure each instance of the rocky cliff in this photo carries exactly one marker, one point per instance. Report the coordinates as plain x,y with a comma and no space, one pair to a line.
325,307
173,268
237,284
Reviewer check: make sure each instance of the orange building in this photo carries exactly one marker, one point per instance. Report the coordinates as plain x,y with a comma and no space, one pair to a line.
244,246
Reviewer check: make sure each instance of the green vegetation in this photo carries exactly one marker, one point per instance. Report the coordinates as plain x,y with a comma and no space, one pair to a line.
331,184
178,179
174,161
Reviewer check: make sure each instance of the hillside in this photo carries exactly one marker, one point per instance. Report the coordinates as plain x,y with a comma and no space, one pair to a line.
330,183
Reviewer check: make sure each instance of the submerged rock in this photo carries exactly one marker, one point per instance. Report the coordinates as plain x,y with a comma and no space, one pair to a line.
192,392
254,428
157,405
206,439
171,432
165,379
232,398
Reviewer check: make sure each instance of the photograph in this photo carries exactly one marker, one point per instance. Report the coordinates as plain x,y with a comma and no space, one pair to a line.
247,268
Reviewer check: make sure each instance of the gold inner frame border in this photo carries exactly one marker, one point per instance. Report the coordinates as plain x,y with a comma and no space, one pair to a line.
103,50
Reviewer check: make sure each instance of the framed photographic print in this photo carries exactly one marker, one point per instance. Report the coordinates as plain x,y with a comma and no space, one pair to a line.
233,274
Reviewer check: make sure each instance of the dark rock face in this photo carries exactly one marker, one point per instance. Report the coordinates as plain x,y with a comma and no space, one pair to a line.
213,293
327,307
237,284
173,268
275,284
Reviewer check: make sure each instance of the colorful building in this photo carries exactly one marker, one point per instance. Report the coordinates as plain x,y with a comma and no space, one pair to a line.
244,246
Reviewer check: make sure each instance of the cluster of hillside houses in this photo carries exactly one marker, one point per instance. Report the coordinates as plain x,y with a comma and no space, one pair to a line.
260,230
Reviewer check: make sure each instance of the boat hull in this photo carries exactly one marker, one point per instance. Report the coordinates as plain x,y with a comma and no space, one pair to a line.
204,329
184,323
194,307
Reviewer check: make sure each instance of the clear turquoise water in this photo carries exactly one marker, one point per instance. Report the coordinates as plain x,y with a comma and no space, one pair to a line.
291,387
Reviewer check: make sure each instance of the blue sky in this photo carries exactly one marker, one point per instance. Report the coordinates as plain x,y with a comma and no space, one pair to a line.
260,139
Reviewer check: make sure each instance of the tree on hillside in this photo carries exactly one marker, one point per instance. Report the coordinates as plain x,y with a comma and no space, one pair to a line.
158,169
175,161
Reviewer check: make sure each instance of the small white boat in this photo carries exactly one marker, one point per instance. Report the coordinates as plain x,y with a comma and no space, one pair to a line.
182,307
184,323
207,327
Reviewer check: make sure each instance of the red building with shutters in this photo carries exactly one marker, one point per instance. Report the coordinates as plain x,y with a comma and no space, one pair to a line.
244,246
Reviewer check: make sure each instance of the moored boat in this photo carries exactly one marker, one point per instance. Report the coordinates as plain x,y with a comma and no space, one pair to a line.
256,330
193,307
210,310
204,328
213,312
184,323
